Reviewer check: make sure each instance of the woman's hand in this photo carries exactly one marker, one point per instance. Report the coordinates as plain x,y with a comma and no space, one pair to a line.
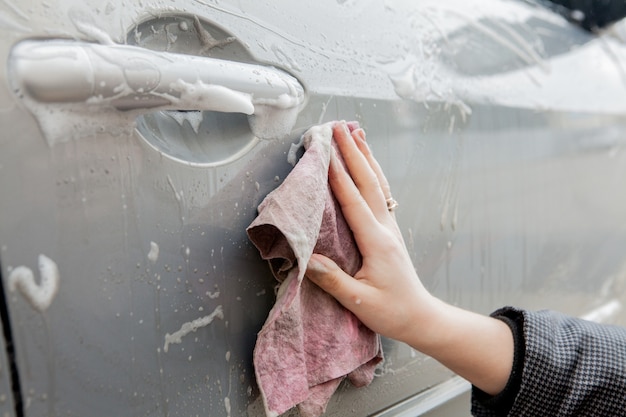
386,293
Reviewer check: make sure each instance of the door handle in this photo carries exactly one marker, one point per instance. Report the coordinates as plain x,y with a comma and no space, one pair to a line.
133,78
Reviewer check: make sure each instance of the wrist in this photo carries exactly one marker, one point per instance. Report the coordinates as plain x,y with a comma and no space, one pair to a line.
477,347
425,327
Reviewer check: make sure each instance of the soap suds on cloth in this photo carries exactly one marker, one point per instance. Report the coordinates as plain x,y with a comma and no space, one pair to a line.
309,342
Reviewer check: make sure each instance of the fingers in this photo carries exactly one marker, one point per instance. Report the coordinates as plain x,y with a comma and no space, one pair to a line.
361,165
365,149
361,143
332,279
353,206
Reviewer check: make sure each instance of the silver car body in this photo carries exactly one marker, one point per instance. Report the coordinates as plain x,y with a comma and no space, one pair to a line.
130,287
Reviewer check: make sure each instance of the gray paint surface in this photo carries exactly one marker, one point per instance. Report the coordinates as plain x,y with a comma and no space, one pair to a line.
500,128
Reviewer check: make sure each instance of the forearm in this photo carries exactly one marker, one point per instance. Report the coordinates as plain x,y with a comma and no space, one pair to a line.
477,347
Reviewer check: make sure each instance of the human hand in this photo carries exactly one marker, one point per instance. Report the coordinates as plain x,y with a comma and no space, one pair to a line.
385,293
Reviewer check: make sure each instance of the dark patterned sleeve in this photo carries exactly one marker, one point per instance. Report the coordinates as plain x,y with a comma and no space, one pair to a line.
563,366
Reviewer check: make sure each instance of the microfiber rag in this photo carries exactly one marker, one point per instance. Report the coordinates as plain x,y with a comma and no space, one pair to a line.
309,342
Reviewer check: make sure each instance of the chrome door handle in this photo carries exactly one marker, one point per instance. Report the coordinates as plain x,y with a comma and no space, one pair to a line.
134,78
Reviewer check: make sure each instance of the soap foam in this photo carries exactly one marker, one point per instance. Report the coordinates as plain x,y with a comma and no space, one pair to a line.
39,296
210,97
192,326
153,255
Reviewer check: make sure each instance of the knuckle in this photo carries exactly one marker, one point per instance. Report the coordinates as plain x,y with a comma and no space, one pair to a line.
332,283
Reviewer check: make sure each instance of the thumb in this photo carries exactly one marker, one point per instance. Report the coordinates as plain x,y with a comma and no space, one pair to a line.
332,279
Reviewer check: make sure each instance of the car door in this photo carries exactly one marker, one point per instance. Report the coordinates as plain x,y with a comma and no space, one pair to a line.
499,126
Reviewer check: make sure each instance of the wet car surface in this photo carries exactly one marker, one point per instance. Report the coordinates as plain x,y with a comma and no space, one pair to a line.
499,125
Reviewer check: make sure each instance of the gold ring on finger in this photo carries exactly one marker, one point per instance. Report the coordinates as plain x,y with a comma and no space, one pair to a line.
392,204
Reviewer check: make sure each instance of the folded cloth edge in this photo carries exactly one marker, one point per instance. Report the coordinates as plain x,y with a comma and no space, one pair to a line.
324,132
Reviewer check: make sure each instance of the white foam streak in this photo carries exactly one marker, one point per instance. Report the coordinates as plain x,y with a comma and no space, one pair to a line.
39,296
192,326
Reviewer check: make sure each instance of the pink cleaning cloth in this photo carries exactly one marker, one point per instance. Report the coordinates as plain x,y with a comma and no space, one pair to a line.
309,342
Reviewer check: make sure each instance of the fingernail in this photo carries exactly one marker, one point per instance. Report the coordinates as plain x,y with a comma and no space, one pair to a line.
361,134
344,127
335,164
354,125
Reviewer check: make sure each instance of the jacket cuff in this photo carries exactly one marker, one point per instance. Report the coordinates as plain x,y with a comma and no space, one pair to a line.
502,403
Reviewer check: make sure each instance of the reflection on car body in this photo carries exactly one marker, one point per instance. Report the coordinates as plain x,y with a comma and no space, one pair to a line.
498,123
